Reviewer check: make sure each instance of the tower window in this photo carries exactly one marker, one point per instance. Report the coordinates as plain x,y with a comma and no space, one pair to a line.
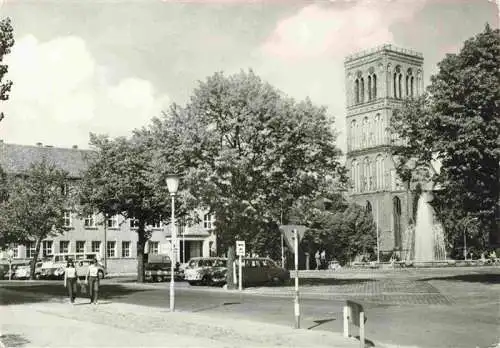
362,90
369,88
374,82
356,91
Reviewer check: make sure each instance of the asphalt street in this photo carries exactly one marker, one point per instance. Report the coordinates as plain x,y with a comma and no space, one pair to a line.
459,314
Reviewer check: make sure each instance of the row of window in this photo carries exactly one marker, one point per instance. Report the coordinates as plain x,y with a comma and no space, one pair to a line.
359,89
367,133
90,221
367,175
47,248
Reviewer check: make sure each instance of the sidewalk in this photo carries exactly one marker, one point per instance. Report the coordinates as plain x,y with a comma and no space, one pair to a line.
60,324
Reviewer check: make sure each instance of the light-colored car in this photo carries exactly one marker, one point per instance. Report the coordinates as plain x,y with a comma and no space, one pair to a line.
22,271
206,271
54,268
82,267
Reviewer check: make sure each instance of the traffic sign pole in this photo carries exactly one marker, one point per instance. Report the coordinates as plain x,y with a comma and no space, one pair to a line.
240,284
296,301
240,251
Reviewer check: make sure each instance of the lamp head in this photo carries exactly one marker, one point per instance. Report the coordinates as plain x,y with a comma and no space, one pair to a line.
172,183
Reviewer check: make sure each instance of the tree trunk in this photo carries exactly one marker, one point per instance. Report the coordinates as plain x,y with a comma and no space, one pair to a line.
141,243
231,256
35,258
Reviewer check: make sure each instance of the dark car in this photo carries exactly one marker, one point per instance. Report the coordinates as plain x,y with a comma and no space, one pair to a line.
262,270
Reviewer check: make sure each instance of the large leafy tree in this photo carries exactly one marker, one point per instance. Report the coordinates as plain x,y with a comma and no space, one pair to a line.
119,180
35,205
458,125
248,152
6,43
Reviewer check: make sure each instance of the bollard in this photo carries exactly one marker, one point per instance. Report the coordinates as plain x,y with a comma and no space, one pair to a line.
346,321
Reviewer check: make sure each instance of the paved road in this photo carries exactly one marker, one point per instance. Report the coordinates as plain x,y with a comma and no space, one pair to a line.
438,312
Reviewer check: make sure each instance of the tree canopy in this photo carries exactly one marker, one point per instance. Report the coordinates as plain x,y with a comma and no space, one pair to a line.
457,124
120,180
6,43
35,206
248,152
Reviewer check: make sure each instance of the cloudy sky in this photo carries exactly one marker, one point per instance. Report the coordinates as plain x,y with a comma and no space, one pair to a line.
108,66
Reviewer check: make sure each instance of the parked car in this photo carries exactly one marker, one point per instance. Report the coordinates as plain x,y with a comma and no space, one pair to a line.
206,271
262,270
157,268
82,267
54,268
22,271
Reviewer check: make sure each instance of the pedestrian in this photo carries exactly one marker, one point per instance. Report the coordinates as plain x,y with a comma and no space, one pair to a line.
318,260
71,280
92,280
323,259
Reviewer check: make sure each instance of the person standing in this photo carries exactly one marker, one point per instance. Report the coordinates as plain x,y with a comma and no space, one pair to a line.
92,280
71,280
323,259
318,260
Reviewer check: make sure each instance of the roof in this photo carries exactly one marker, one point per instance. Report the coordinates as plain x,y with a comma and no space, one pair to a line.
15,159
383,48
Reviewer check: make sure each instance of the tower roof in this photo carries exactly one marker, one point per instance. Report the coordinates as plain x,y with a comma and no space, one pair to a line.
386,48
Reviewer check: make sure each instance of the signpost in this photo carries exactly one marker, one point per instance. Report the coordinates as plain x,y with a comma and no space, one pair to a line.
240,251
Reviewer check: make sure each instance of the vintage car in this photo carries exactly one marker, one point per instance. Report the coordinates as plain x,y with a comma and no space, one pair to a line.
206,271
54,268
22,271
157,268
261,270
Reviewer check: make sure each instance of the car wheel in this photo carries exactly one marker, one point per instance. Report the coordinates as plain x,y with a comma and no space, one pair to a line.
207,280
100,274
37,276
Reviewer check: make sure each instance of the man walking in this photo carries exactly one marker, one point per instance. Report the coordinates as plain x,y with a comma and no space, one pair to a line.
323,259
92,280
318,260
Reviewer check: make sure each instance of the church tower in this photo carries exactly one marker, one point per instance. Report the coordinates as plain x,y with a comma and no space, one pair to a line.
377,80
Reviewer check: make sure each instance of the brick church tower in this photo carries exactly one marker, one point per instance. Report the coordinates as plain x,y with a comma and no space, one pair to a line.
377,80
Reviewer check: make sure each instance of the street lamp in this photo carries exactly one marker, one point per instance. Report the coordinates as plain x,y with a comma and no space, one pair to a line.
173,185
465,234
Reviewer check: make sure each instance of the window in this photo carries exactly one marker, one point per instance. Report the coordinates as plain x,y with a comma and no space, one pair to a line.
80,246
208,221
15,249
89,221
374,82
153,247
396,202
356,91
67,219
64,246
47,248
157,224
134,223
126,249
362,86
111,249
369,88
113,221
96,246
30,250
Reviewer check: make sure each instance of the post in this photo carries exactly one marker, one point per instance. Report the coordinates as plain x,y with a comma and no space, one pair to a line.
296,301
282,252
105,241
362,329
465,243
346,321
173,258
240,283
235,278
378,240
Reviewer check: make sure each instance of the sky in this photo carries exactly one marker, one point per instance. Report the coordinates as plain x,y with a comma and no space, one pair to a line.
109,66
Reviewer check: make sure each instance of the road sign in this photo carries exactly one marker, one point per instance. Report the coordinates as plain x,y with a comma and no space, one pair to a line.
240,248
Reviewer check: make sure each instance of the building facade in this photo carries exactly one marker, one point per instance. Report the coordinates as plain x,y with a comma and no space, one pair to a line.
377,81
114,240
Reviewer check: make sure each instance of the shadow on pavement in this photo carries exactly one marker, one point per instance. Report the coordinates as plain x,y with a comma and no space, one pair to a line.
27,293
487,278
329,281
320,322
13,340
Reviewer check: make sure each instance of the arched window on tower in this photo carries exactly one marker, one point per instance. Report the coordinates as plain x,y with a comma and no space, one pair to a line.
407,86
369,88
368,207
396,211
356,91
374,82
400,85
366,175
395,85
352,138
412,87
362,92
365,130
377,126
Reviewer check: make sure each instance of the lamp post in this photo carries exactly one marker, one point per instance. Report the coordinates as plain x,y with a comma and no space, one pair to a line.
173,185
465,236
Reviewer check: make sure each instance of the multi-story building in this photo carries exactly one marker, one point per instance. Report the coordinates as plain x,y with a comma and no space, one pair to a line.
115,239
377,80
